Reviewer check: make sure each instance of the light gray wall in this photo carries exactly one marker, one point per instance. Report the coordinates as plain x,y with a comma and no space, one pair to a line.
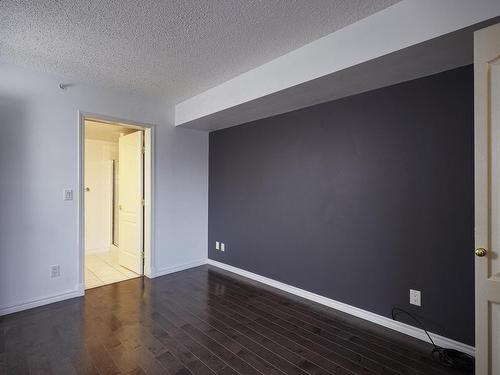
39,159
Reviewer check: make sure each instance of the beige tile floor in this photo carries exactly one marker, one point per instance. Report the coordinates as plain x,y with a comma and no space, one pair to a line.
103,268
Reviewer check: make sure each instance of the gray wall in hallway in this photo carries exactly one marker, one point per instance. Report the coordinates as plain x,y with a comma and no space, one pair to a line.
358,199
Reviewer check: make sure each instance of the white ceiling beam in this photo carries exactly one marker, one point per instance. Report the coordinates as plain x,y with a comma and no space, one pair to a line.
402,25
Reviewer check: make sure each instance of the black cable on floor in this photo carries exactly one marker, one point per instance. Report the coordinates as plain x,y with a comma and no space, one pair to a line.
447,357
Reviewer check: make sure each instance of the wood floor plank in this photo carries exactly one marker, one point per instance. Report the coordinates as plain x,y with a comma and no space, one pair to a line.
329,321
290,341
202,321
267,313
216,319
387,337
147,362
2,340
172,364
227,337
232,359
62,366
102,360
256,346
244,312
181,352
206,356
421,368
227,356
396,353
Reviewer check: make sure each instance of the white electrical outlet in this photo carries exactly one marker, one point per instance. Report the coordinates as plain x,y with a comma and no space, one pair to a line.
415,297
68,195
217,245
55,271
222,247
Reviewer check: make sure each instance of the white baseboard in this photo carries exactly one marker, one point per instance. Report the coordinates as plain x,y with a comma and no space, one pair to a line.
78,292
363,314
180,267
360,313
149,272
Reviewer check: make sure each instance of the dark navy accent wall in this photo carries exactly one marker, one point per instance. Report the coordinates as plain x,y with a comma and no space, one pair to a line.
359,199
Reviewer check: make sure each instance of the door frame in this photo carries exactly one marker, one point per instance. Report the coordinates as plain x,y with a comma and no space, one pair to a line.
485,215
149,190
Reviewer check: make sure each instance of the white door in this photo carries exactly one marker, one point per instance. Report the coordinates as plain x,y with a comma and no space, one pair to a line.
130,196
98,205
487,198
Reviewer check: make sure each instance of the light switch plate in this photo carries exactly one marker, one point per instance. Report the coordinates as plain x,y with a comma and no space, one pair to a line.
55,271
68,194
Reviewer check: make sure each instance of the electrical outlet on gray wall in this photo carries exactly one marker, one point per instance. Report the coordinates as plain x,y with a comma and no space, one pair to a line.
415,297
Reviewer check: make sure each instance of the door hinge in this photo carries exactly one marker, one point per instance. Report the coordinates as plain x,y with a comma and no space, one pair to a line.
143,202
143,149
142,253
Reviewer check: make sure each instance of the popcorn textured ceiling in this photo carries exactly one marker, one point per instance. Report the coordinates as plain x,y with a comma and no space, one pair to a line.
174,49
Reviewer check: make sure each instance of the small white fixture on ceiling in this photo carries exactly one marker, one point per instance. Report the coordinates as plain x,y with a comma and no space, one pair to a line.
64,86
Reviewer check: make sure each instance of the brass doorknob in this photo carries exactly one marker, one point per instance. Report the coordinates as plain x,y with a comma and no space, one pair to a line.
480,252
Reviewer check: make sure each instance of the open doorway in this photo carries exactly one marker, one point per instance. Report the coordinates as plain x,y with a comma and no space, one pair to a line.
116,175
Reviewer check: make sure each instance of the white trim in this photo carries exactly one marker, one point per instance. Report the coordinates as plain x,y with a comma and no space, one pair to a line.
78,292
180,267
262,91
363,314
149,193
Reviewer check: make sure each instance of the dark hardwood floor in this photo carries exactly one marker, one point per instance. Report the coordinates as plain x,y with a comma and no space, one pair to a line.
201,321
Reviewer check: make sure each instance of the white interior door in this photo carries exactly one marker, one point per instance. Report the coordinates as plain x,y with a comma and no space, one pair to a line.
98,205
131,211
487,199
